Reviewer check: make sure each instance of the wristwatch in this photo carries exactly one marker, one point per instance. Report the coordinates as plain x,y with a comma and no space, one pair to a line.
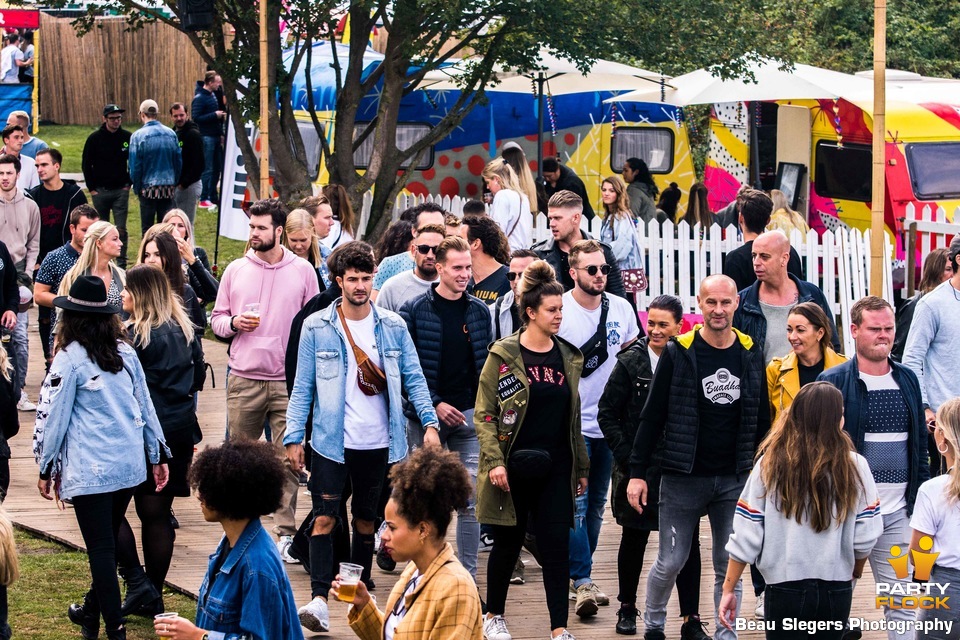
233,327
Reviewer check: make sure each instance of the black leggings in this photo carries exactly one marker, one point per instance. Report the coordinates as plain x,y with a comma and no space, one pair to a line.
156,535
550,504
633,543
99,516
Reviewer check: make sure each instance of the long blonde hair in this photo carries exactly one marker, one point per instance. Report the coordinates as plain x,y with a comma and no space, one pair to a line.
517,159
948,421
807,467
780,201
179,213
301,220
9,562
90,256
499,169
154,304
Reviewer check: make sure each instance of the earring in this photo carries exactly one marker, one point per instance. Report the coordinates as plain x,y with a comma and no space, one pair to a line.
946,447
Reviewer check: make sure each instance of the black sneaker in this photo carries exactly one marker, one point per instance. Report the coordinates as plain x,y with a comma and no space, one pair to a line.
654,634
694,629
384,561
627,620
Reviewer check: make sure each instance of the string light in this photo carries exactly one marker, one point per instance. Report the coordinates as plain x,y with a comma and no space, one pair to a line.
551,113
837,125
663,88
613,119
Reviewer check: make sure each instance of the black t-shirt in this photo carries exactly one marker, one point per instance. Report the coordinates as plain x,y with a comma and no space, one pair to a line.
545,425
493,286
719,408
564,274
809,374
53,207
456,382
739,265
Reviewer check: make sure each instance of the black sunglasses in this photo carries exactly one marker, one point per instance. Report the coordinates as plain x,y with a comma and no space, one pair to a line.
592,269
424,249
513,275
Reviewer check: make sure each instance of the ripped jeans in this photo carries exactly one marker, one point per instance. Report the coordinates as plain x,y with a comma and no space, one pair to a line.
683,498
462,439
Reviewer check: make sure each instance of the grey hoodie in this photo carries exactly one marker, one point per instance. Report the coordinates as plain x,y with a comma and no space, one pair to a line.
20,228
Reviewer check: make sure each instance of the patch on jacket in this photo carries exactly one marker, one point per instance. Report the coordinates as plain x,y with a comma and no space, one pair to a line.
508,387
504,368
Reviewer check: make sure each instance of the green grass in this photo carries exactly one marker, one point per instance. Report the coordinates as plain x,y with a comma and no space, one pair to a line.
69,140
52,577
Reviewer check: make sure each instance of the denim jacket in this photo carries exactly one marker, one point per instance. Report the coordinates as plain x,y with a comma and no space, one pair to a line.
322,378
155,158
251,596
98,424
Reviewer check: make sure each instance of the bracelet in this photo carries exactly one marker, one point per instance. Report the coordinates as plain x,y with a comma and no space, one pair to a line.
233,327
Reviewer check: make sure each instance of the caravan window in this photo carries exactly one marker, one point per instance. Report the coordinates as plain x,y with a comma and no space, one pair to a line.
933,168
653,145
845,174
408,134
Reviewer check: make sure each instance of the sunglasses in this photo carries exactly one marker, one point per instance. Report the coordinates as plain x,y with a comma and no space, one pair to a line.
932,427
592,269
513,275
424,249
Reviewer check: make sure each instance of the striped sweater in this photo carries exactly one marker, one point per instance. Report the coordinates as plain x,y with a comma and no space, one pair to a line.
784,550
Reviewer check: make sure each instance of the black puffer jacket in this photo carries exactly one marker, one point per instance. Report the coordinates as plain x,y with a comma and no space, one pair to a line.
423,322
672,411
619,417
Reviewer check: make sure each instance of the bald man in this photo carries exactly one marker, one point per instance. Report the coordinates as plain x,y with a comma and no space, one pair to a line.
708,402
765,305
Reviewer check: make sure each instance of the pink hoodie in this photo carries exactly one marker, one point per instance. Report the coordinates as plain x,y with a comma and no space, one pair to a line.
282,289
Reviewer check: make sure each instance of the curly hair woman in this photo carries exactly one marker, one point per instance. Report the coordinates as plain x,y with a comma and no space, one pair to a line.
435,596
246,593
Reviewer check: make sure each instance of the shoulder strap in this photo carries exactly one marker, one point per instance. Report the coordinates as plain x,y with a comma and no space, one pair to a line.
497,307
357,351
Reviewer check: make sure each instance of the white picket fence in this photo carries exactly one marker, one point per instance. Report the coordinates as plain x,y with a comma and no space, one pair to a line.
678,260
924,233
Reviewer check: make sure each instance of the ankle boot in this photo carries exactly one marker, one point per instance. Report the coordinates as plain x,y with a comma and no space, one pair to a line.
87,615
142,598
117,634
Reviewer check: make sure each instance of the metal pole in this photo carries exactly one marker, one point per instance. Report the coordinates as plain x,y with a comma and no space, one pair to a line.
541,105
264,104
879,147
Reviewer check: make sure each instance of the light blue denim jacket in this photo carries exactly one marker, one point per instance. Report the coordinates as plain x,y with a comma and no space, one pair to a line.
322,378
154,157
102,425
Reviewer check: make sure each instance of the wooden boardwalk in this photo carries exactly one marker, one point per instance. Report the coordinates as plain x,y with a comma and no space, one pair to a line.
526,607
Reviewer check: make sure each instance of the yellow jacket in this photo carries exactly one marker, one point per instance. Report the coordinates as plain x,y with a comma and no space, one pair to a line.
445,605
783,379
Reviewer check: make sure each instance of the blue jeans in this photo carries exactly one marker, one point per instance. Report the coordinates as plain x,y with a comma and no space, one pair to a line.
462,439
683,499
21,345
208,189
589,516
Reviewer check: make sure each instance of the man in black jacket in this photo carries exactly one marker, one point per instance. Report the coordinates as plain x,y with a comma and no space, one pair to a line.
565,210
191,150
451,330
105,171
559,178
708,403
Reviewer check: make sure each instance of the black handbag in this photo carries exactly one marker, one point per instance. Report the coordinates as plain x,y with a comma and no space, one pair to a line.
529,464
594,350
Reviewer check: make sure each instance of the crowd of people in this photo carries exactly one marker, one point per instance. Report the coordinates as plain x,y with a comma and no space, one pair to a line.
458,368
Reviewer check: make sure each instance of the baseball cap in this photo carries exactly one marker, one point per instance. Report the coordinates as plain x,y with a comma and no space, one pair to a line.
149,108
112,108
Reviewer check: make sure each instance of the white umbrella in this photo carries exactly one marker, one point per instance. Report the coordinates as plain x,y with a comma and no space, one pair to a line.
771,83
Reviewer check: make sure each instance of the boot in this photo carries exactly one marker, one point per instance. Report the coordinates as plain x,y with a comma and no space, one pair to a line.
87,615
117,634
142,598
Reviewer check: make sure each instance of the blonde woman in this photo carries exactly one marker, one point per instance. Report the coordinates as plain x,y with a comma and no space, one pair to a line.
169,352
937,516
300,237
195,258
619,230
511,206
101,246
513,154
785,218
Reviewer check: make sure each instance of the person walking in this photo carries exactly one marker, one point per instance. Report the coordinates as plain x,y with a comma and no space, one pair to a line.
618,414
489,255
641,190
169,351
936,269
505,311
411,284
708,403
533,461
209,118
96,433
435,596
511,206
810,494
105,155
160,250
619,231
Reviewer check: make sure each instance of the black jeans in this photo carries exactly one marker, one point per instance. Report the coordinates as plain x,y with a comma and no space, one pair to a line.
99,516
364,470
152,211
633,544
549,503
809,601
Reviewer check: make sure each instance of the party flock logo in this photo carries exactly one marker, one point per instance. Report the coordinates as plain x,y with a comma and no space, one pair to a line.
919,593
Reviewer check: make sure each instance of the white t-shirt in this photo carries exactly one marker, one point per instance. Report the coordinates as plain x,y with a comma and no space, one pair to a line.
400,610
511,210
886,440
366,424
932,514
578,326
337,236
654,359
8,66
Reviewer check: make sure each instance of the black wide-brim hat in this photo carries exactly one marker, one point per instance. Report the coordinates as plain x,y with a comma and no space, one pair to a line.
87,295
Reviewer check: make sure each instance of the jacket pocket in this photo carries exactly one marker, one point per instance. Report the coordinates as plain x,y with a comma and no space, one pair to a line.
328,364
222,612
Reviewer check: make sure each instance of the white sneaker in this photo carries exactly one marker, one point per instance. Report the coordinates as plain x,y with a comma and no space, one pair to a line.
376,536
495,628
24,403
283,548
486,542
758,612
315,615
564,635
